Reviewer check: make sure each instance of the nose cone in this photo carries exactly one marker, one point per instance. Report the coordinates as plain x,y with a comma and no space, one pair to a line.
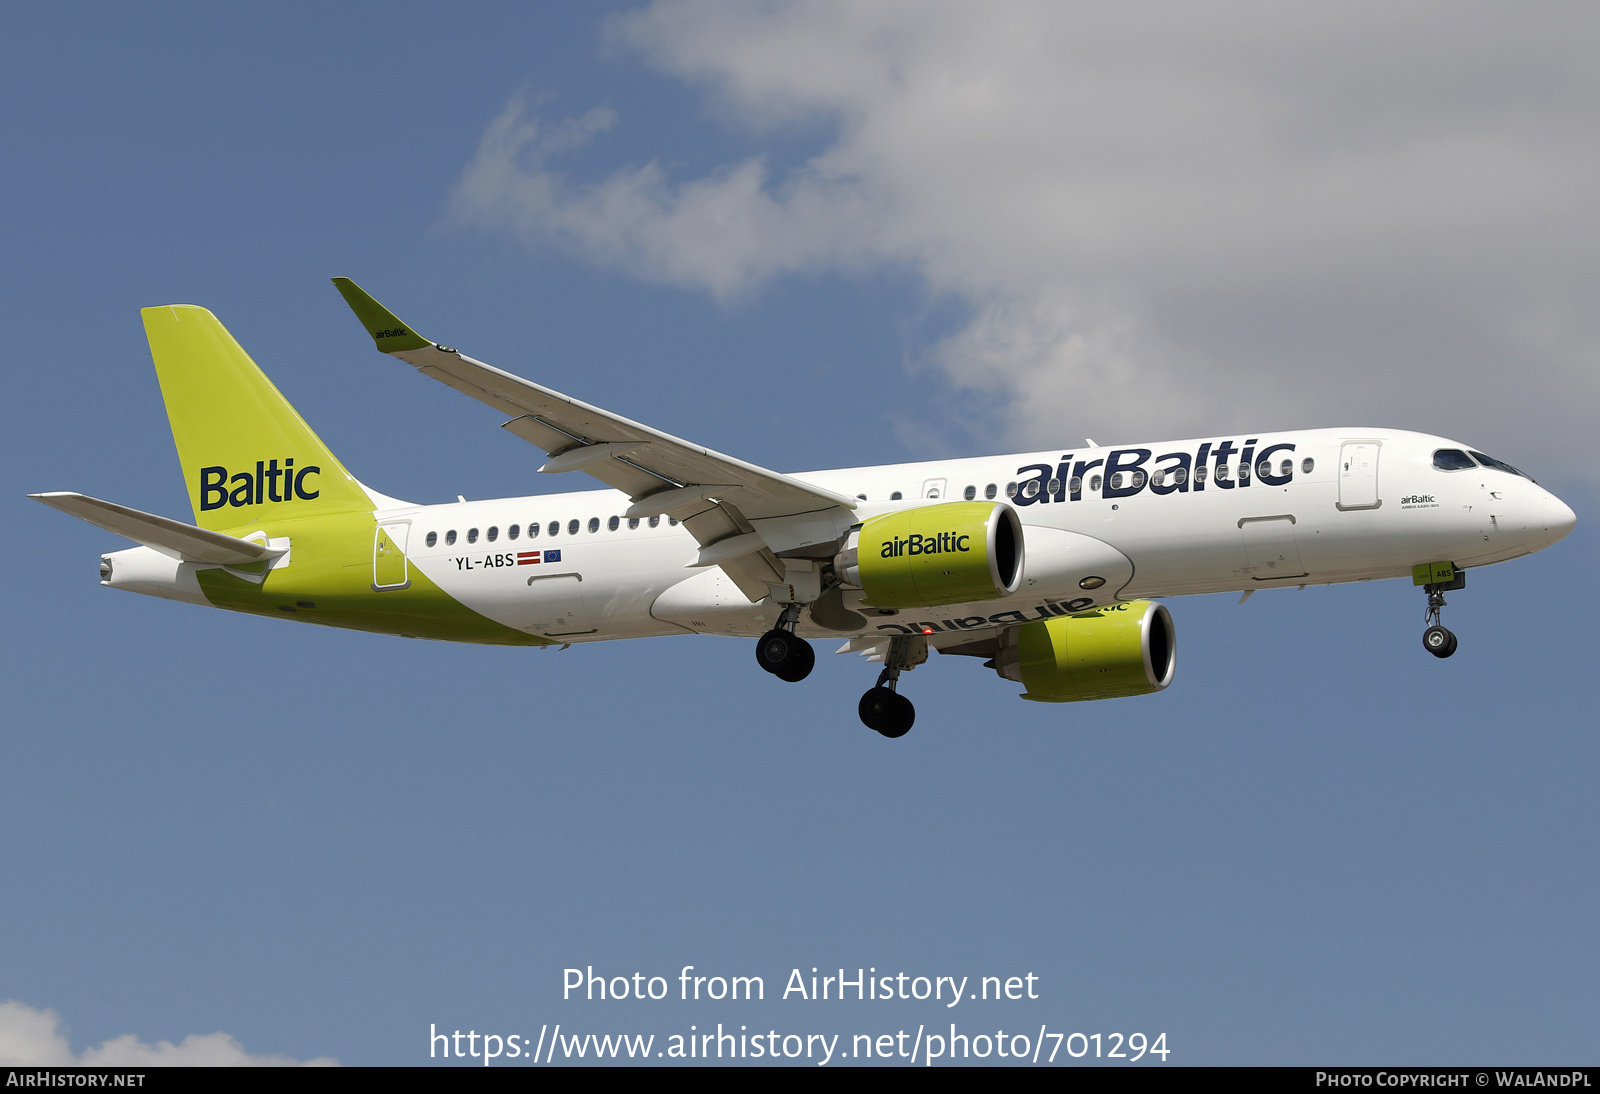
1559,519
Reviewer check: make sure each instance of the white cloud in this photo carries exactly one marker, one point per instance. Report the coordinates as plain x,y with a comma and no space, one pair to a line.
721,233
34,1038
1161,217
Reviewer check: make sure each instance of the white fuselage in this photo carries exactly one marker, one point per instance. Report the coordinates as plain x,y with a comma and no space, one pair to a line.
1372,505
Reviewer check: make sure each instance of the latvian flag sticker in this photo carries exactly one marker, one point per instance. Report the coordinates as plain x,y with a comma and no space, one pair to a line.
527,558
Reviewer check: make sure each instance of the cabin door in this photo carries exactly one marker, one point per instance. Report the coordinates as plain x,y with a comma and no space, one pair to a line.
389,567
1358,476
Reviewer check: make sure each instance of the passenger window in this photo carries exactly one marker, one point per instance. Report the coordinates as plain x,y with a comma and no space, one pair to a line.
990,491
614,523
1138,479
472,535
633,522
1200,473
533,530
1075,484
1116,481
514,531
1158,479
1452,459
1263,469
673,521
1011,489
555,528
1030,488
450,538
1285,469
1306,465
572,527
494,533
970,492
895,496
1222,472
861,497
1054,486
433,538
594,524
1094,484
655,521
1180,475
1244,474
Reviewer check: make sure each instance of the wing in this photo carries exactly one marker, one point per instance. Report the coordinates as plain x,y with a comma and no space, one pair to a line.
171,537
741,515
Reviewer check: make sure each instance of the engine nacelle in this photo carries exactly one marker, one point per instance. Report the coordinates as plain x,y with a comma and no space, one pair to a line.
1128,648
952,553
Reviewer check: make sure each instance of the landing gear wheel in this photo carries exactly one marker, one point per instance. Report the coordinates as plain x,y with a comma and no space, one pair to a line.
1438,641
785,655
888,712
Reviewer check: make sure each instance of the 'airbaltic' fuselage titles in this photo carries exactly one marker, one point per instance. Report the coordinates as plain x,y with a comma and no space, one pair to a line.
1012,617
1123,472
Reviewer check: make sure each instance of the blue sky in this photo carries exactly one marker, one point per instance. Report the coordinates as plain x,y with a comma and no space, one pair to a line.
1320,845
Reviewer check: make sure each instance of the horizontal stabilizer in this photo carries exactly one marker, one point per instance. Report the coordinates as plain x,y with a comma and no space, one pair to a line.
162,533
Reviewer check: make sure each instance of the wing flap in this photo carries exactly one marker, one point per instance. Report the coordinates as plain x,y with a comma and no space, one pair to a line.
187,542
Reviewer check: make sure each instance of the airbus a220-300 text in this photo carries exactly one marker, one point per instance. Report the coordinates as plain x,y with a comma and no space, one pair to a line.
1048,565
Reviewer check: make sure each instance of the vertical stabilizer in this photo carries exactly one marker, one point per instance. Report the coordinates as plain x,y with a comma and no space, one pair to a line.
247,456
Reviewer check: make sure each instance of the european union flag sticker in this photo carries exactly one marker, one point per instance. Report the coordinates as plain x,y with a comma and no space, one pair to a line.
552,556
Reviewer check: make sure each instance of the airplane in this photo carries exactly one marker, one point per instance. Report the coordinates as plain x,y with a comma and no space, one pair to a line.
1048,565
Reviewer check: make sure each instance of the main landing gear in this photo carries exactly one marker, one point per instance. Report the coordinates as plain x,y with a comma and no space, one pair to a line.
1436,639
789,657
782,652
883,708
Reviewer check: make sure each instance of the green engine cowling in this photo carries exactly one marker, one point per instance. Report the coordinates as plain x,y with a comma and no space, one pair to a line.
1128,648
952,553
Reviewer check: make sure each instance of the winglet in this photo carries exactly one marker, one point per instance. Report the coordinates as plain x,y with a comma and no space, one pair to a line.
391,335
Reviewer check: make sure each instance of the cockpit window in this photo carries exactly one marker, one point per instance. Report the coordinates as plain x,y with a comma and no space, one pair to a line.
1490,461
1452,459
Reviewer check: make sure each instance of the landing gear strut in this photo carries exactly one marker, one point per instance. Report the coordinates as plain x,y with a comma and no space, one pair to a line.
1436,639
782,652
883,708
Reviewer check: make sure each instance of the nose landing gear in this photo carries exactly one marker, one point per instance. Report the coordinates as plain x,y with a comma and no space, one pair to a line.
883,708
782,652
1436,639
1439,641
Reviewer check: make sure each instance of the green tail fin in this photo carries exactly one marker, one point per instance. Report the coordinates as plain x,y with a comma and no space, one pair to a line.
247,456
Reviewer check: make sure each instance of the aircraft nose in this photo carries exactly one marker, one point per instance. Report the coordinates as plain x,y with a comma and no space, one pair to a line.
1559,519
